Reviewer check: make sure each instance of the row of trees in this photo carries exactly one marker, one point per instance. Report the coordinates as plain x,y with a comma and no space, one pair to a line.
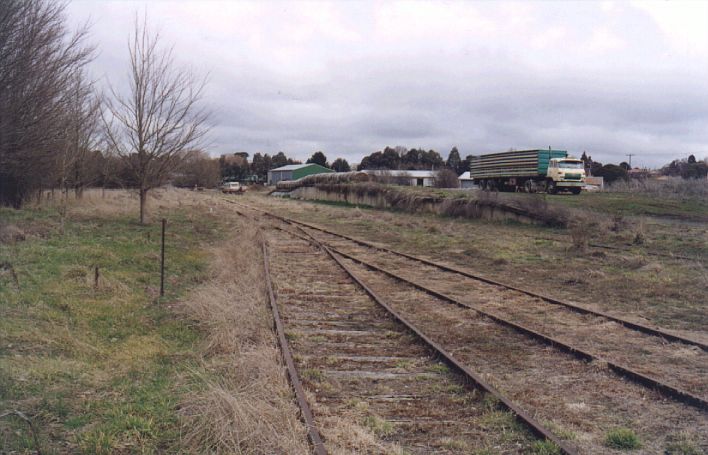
685,168
688,168
54,121
414,159
48,109
237,166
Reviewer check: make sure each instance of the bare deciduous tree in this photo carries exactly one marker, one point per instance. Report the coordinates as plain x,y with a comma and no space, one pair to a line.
77,161
38,60
153,125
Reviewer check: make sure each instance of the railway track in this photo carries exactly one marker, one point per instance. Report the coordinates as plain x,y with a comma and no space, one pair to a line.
677,370
634,325
434,306
357,357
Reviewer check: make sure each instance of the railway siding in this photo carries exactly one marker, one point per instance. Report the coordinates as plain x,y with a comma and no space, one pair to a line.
683,366
359,366
582,399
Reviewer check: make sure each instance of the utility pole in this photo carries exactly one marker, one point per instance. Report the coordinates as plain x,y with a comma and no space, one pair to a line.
630,155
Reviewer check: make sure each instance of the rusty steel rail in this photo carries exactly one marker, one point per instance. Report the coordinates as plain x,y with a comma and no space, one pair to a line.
525,418
655,331
312,431
640,378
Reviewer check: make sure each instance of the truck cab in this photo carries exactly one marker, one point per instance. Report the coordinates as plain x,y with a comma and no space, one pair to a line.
565,174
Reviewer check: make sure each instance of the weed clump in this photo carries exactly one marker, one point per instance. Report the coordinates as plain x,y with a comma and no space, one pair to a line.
622,439
682,444
378,426
9,233
545,448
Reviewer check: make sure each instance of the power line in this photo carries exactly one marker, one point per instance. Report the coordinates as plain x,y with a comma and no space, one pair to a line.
630,155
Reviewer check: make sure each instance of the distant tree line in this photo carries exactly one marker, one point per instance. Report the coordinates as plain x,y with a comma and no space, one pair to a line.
401,158
687,168
237,167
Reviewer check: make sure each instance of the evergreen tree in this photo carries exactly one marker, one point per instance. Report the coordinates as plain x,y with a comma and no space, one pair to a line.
318,158
454,161
341,165
279,160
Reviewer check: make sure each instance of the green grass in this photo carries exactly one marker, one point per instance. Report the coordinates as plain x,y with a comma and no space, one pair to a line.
622,439
96,369
378,426
313,375
634,204
545,448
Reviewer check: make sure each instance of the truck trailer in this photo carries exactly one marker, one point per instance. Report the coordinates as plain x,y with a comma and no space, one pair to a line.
529,170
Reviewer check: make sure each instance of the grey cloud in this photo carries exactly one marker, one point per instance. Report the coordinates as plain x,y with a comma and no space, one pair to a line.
360,77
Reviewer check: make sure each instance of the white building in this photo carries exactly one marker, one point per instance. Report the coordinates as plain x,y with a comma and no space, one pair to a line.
466,181
410,178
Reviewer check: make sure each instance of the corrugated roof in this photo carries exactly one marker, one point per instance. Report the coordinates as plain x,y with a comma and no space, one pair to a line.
292,167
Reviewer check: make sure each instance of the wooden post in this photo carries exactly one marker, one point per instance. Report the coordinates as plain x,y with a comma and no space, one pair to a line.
95,278
162,260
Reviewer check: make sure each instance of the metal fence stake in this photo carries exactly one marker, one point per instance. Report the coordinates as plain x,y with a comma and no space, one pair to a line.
162,260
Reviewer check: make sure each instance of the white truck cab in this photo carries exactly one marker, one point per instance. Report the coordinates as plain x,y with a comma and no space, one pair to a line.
565,174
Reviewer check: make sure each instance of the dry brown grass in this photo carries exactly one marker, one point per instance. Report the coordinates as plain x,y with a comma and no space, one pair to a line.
96,202
244,404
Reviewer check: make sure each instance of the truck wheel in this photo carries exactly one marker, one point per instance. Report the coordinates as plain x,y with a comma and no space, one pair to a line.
491,185
483,185
551,187
529,186
575,190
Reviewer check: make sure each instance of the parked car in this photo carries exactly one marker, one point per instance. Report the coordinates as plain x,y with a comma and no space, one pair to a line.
232,187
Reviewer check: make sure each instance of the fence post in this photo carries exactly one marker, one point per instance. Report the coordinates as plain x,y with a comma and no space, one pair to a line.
162,260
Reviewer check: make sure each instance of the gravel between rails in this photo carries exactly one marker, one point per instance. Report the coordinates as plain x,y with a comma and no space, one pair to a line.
583,400
359,365
674,363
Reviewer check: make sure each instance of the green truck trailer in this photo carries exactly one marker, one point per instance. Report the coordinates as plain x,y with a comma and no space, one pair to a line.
529,170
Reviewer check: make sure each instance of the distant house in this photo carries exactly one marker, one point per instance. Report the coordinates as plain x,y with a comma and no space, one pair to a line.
409,178
598,182
466,181
294,172
637,173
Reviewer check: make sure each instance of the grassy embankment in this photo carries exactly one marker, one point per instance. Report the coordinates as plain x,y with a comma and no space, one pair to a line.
691,206
98,368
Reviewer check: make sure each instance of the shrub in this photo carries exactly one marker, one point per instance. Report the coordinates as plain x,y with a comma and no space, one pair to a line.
622,439
446,178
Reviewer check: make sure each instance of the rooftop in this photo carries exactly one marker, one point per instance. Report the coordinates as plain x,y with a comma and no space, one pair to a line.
292,167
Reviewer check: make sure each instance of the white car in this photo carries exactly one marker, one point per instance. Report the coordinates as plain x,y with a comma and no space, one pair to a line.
232,187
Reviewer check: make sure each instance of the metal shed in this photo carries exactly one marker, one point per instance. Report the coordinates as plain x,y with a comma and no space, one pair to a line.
294,172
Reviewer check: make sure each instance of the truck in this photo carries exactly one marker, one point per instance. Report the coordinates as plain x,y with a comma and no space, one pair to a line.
529,170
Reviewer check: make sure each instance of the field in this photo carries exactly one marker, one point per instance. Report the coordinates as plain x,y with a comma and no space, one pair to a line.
107,365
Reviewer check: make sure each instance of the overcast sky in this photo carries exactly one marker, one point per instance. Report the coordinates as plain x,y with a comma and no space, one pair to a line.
349,78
